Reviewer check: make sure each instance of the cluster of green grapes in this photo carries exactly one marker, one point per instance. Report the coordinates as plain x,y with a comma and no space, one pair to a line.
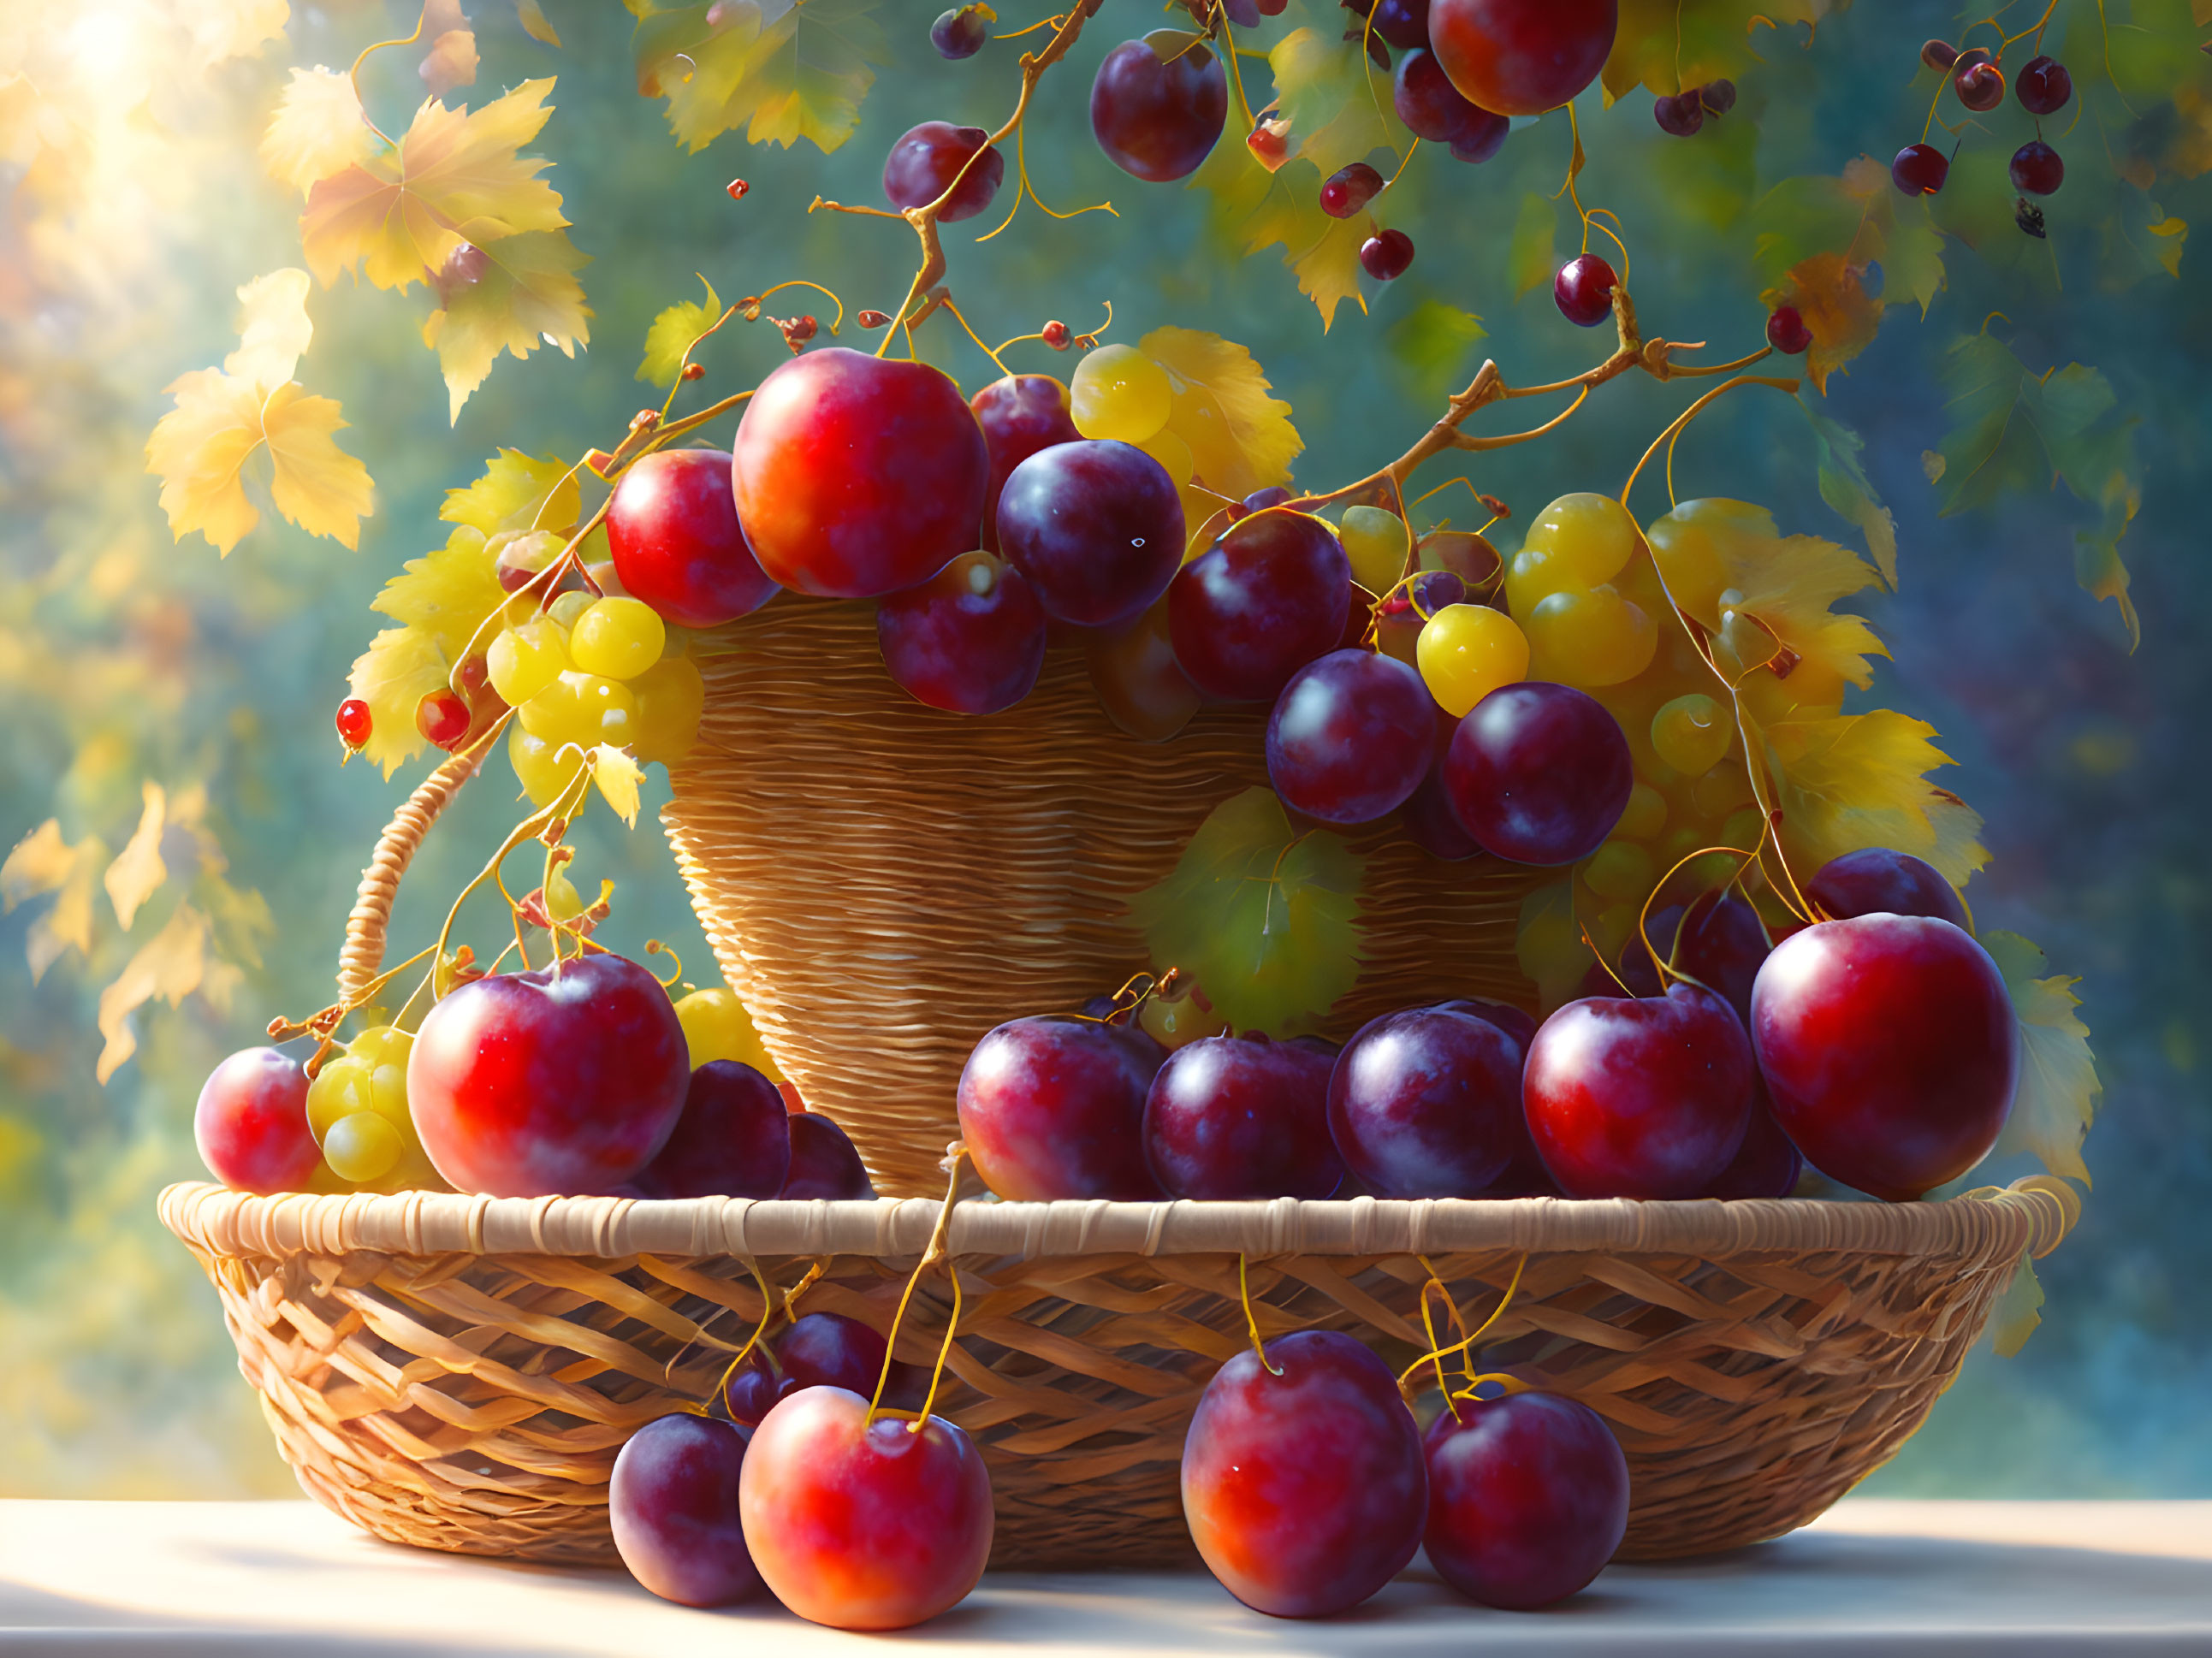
588,671
357,1112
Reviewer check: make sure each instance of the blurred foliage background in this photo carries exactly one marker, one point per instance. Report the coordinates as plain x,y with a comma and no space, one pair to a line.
136,206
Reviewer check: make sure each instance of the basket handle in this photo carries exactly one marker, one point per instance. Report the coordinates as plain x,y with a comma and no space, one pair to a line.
363,952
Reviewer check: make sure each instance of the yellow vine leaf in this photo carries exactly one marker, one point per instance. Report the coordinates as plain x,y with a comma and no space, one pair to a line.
722,66
318,129
532,18
38,864
2059,1085
2018,1310
1257,210
672,334
274,330
1789,582
200,448
43,862
1241,439
451,62
516,492
170,965
1665,45
455,177
401,666
617,776
1853,780
523,292
1840,315
1338,103
137,872
219,30
448,594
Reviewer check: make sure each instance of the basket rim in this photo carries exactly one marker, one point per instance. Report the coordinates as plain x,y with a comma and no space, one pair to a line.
1993,1224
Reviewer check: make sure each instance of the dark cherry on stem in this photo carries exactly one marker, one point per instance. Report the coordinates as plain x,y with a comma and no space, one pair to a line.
1980,86
250,1123
673,1504
1890,1050
1583,290
529,1085
672,527
1681,113
1054,1107
1243,1117
960,32
1304,1491
1020,413
754,1388
1348,189
1258,604
926,158
1538,773
1642,1097
1786,331
1718,96
824,1164
1528,1498
1920,169
971,639
856,476
1877,879
1158,119
1426,1103
2037,169
1386,255
734,1140
1096,526
1350,737
2043,86
863,1527
1522,57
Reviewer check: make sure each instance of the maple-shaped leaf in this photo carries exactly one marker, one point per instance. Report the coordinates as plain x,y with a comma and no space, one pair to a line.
1337,101
170,965
318,129
672,334
1266,919
401,666
510,295
1790,584
138,869
1859,216
799,74
1258,210
2056,1099
517,492
200,448
1845,486
455,177
1853,780
448,595
1666,46
43,862
1241,439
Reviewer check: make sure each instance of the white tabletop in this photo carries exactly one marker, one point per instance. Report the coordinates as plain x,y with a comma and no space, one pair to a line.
1874,1576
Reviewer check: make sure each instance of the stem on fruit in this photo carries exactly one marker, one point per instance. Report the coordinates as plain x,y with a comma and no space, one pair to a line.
1466,1344
1429,1329
1667,968
768,1312
1251,1319
955,1155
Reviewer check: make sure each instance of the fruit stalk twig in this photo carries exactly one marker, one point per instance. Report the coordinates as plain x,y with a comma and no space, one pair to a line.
955,1155
1465,1343
1251,1319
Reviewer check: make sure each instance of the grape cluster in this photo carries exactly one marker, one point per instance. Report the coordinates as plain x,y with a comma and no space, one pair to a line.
1977,79
357,1112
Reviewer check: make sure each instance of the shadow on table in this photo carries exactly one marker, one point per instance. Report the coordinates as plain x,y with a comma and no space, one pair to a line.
36,1622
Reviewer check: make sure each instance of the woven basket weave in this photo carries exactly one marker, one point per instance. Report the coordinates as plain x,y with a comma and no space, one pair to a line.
459,1372
882,883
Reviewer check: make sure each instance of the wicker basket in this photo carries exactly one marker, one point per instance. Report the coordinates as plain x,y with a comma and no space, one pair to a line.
459,1372
882,883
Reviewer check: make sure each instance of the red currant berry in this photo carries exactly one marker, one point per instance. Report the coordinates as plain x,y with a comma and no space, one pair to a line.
1980,88
1681,114
1055,335
2043,86
736,189
1920,169
1939,55
353,722
802,331
1583,290
1385,256
1786,332
443,717
2036,168
1349,189
872,319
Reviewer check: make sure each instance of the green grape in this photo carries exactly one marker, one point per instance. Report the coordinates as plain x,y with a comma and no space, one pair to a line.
1465,651
343,1088
1588,637
361,1147
563,611
670,698
388,1096
526,659
1117,391
1744,828
618,638
1644,815
1375,540
717,1027
1578,541
584,709
544,778
1721,791
382,1044
1693,544
1619,870
1693,733
1173,455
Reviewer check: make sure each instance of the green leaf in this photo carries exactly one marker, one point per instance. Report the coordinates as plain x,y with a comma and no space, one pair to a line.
1844,487
1256,210
2058,1087
720,67
1338,103
1266,920
1529,258
1665,45
1431,341
672,334
2016,1313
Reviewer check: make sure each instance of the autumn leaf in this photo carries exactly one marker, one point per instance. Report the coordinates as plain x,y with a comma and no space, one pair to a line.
452,60
2017,1312
516,492
2058,1090
401,666
532,18
1241,439
672,334
1842,317
1431,341
1256,210
517,291
199,451
448,595
1853,780
1338,103
274,330
617,775
1266,919
318,129
43,862
170,965
1790,583
723,66
138,872
1845,486
1665,45
455,177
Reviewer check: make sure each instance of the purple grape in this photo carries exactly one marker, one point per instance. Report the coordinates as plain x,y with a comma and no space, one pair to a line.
1876,880
1680,114
971,639
2037,169
1096,526
2043,86
1481,138
1269,597
1517,1022
1403,23
1054,1107
1350,737
1768,1162
1348,189
1386,255
1528,1498
1539,774
1428,104
672,1504
1260,499
734,1140
1718,97
755,1389
1426,1103
1232,1117
960,32
1158,120
1431,825
1583,290
1920,169
1723,942
1020,415
926,158
824,1164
